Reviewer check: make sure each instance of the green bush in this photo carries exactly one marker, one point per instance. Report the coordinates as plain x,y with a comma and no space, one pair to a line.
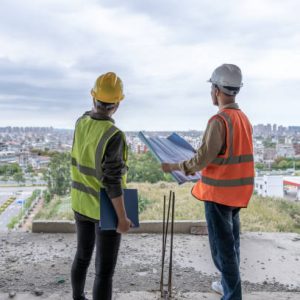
47,196
145,168
58,174
13,221
10,169
144,203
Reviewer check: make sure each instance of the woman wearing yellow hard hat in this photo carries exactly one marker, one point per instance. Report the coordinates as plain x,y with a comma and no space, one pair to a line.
99,160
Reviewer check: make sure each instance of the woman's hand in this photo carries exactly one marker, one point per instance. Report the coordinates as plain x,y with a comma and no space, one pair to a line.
123,222
124,225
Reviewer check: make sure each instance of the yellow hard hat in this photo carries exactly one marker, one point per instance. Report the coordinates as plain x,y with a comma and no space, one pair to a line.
108,88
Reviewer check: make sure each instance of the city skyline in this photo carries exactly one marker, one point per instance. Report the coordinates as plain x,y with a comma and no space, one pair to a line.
268,126
51,53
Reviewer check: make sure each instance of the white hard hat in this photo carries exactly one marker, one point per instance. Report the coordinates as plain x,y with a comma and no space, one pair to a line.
227,75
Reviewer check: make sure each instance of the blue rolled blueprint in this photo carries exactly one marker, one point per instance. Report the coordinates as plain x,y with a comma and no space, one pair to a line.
171,149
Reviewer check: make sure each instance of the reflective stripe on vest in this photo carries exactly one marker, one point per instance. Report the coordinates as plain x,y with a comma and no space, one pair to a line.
233,160
229,178
83,188
229,182
83,169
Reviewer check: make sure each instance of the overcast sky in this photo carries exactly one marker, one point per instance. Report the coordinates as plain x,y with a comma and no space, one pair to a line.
51,52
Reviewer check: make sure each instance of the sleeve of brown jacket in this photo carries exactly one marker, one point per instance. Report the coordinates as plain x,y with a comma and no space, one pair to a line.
213,143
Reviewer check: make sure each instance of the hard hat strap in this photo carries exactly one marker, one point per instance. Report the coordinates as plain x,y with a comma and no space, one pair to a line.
231,91
106,106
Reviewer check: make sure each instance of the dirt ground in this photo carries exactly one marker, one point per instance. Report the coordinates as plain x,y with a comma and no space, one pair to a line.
270,262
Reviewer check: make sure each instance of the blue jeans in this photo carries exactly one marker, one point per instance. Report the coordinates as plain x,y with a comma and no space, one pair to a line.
223,224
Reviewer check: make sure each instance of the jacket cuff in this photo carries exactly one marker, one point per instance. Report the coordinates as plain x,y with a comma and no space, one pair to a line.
184,169
114,191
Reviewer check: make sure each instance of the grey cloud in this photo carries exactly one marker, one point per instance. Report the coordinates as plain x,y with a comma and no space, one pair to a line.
196,22
28,70
32,87
100,63
34,20
55,86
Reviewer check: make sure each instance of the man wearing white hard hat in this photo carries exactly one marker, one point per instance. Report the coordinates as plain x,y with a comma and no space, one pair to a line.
226,185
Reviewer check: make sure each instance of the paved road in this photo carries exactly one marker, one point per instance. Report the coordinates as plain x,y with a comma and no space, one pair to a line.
3,197
13,209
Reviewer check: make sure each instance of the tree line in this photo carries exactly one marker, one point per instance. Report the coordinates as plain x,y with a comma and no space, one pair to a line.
281,163
142,168
13,171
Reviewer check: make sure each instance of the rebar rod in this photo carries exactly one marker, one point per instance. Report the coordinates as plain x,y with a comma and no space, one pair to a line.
163,250
171,247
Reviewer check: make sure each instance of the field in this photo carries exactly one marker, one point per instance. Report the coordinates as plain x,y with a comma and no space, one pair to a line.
262,214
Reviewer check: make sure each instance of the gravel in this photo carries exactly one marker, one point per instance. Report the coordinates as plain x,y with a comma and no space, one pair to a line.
41,263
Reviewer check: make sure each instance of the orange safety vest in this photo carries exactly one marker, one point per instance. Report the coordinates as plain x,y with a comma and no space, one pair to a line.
229,178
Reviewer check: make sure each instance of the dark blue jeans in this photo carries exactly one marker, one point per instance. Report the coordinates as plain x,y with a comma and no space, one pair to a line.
223,224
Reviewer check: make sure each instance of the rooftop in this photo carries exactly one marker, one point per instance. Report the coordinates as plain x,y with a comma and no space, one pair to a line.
270,266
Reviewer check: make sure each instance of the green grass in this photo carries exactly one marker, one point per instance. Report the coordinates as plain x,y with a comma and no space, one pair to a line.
59,208
14,221
262,214
187,208
271,214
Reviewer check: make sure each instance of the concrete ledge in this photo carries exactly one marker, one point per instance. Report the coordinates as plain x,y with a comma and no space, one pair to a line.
45,226
187,227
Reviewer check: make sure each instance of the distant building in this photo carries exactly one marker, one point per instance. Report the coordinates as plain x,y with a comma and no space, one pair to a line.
269,186
39,162
294,129
275,185
296,147
270,154
142,148
285,150
293,181
3,147
8,157
258,151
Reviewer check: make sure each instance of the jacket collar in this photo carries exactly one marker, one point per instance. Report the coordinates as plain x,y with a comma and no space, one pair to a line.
98,116
230,106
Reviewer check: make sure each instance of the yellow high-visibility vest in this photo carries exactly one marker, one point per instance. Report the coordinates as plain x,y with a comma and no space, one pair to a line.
90,141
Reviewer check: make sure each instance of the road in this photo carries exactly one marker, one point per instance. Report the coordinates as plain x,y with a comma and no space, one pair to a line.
13,209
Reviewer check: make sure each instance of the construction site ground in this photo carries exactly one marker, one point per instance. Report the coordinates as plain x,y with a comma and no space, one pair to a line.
36,266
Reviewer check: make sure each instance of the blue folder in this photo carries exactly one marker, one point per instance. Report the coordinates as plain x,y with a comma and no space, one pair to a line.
108,216
171,149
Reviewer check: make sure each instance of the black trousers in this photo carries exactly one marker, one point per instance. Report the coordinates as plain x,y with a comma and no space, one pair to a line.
107,248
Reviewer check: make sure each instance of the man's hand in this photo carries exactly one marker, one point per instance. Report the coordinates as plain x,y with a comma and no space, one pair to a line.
124,225
167,168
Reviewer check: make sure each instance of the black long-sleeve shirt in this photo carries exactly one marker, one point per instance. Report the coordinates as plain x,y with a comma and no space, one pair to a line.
113,164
